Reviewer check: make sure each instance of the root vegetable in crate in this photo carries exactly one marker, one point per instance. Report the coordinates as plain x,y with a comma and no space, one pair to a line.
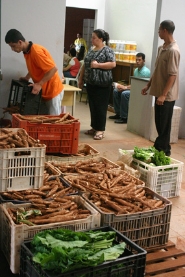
13,234
60,133
22,164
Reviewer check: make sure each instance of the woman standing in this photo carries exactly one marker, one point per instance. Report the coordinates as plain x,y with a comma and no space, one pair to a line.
100,60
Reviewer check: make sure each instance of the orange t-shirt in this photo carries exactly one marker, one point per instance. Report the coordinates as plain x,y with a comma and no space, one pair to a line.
39,61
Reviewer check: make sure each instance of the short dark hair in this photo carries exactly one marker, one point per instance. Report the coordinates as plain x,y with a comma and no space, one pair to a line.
141,55
168,25
73,52
13,36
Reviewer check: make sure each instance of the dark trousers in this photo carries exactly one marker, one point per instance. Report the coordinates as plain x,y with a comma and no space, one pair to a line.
98,103
163,119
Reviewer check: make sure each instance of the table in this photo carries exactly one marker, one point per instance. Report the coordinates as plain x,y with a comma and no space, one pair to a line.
69,98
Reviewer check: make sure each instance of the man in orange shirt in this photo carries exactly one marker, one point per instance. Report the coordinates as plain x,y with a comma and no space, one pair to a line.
41,68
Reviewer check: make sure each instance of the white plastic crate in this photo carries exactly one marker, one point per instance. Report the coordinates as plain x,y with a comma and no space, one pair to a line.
21,168
174,126
13,235
164,180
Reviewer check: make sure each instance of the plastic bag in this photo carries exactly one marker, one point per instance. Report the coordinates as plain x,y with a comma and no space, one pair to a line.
125,156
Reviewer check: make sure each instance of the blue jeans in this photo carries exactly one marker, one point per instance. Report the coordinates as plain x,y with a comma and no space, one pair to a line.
67,74
121,101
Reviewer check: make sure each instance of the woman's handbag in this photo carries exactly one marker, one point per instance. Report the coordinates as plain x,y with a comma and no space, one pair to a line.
100,77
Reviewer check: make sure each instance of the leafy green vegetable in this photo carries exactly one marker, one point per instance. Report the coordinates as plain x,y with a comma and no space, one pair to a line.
63,250
151,156
160,158
143,154
22,215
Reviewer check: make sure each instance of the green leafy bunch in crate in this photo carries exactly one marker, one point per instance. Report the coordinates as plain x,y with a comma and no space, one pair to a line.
151,156
64,250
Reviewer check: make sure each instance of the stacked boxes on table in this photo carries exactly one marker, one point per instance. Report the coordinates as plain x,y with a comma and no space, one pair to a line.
130,263
164,180
13,235
58,138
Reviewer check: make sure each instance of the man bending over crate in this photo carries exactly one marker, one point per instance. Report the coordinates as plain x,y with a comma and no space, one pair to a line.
41,68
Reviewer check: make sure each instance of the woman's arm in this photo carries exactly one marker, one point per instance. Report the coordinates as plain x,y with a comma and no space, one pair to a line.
67,67
107,65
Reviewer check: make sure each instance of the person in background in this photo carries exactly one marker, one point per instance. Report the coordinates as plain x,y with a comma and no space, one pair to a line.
79,42
72,45
71,70
66,59
121,93
103,57
41,68
81,53
164,85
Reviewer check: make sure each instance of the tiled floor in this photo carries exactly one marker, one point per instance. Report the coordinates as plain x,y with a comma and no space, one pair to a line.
117,136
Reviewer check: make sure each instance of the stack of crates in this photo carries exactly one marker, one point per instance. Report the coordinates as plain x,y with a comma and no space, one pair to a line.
21,168
14,234
24,101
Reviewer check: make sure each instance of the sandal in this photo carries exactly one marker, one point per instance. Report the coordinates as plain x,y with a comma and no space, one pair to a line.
99,136
91,132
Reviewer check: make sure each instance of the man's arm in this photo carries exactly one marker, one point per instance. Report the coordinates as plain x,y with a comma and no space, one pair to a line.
144,90
169,84
47,76
122,87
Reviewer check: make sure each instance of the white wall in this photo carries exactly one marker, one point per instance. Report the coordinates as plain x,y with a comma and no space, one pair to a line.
139,21
42,22
132,20
175,10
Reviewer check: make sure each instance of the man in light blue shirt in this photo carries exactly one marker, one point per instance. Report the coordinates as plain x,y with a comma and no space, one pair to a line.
121,93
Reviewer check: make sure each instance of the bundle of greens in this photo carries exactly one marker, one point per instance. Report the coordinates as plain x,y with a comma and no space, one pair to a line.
151,156
64,250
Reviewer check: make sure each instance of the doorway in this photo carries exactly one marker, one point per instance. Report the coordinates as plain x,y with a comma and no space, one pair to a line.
74,23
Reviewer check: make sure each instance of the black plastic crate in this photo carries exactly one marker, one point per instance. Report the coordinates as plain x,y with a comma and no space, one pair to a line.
26,102
130,264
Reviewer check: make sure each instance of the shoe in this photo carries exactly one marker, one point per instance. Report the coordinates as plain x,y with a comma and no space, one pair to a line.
121,121
116,116
90,132
99,136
